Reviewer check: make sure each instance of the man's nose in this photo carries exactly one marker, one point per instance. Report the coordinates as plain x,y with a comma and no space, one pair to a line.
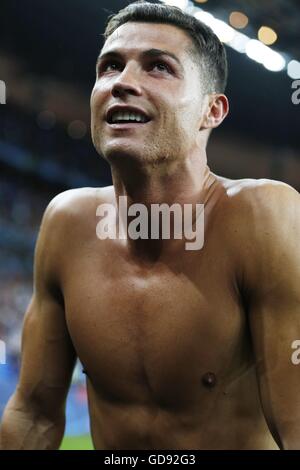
128,82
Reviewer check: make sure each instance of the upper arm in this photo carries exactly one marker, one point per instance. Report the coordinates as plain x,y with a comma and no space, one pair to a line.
273,280
48,356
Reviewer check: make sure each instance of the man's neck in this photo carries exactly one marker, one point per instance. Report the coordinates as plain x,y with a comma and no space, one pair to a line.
184,182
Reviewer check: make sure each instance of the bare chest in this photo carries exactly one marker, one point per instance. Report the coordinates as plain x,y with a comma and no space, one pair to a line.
160,330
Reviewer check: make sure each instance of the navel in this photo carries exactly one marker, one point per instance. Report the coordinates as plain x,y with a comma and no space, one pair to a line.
209,380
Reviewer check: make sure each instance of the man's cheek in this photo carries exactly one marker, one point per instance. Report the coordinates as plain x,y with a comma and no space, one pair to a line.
93,95
98,94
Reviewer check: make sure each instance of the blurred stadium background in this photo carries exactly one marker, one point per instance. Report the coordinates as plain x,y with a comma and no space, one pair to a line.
47,61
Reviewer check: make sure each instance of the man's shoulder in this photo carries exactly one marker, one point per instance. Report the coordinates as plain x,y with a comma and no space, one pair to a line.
73,211
78,202
260,222
260,210
261,196
252,188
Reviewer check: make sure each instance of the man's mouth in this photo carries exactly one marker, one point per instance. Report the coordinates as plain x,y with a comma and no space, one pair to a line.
117,117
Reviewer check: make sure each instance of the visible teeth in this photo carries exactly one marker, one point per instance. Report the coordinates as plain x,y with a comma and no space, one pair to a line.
134,117
127,116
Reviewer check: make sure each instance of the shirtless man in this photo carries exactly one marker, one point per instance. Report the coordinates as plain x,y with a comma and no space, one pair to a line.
182,349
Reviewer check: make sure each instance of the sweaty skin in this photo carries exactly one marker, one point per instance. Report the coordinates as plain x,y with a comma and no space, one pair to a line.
181,349
167,345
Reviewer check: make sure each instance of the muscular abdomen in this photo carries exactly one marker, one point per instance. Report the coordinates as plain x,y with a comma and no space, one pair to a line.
167,354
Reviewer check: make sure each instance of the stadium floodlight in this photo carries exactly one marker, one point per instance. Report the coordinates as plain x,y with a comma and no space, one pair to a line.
273,61
182,4
264,55
224,32
293,69
256,50
239,42
204,16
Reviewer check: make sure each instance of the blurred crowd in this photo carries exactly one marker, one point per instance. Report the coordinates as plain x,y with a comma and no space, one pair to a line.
15,295
39,157
21,209
34,161
60,154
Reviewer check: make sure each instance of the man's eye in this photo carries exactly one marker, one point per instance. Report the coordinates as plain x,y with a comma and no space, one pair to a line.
109,67
161,67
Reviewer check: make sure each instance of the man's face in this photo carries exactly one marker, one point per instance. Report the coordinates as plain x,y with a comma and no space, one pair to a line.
146,72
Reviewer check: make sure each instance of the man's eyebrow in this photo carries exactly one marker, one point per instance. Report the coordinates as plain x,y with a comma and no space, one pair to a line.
115,54
159,53
109,54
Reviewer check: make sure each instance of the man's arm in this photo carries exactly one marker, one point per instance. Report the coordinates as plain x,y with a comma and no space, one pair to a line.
272,277
35,415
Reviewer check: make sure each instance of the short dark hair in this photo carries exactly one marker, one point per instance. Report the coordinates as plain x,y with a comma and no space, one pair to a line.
208,49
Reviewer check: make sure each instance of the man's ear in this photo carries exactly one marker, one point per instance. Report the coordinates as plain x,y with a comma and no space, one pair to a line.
217,110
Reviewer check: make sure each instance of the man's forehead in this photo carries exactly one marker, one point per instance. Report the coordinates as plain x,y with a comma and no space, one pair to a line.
148,35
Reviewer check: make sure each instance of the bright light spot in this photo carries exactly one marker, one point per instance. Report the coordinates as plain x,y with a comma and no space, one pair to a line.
293,69
271,60
274,61
224,32
239,42
238,20
204,16
255,50
267,35
182,4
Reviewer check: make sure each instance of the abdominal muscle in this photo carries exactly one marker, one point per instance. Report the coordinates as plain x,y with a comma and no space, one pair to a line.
227,419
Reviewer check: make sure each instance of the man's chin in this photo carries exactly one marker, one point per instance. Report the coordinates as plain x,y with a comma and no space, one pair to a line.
124,151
